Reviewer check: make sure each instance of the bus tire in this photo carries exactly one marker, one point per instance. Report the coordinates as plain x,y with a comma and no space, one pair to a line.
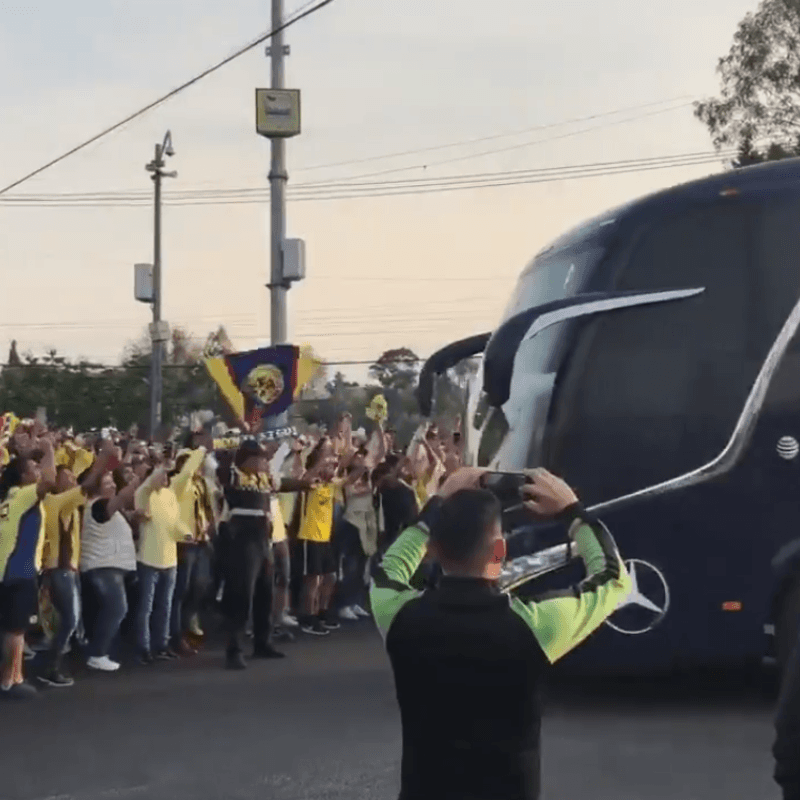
787,625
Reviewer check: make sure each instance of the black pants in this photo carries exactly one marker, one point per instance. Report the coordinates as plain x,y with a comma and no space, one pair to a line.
248,570
352,562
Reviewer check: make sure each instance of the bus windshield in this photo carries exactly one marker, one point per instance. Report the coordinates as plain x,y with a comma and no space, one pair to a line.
554,275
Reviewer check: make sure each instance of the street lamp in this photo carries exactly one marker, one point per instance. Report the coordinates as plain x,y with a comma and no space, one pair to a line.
159,331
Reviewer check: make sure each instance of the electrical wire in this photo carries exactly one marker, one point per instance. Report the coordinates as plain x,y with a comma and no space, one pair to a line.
492,137
519,146
399,188
355,363
137,193
235,193
174,92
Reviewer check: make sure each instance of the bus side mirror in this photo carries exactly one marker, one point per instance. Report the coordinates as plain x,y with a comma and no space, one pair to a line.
441,361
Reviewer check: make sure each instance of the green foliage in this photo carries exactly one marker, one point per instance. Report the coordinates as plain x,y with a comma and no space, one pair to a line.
758,110
86,395
394,375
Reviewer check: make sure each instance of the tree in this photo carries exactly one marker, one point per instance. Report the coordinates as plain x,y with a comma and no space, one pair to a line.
85,395
396,370
758,110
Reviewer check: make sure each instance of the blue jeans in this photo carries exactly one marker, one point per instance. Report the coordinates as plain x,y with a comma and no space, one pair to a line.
191,583
109,588
156,587
65,593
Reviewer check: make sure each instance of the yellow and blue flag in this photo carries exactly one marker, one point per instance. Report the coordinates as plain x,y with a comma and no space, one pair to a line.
263,382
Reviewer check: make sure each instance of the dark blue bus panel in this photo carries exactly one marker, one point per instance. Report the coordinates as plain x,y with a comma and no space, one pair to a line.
651,357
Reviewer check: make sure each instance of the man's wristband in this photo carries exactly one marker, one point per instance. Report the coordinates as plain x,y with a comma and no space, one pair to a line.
575,512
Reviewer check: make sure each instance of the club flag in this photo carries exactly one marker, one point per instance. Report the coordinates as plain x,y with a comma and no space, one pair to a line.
308,365
257,383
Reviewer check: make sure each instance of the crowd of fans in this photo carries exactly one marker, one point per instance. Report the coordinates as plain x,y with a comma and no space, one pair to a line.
111,546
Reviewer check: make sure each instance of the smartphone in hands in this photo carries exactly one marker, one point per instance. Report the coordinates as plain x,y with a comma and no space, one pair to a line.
506,486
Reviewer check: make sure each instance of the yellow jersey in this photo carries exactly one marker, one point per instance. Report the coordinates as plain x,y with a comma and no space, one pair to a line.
278,522
21,534
62,529
194,500
75,458
316,510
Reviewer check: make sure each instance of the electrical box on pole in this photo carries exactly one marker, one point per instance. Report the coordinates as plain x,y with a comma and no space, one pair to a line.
143,283
294,260
278,113
159,331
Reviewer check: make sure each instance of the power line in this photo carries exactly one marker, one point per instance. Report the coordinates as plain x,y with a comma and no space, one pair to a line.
117,367
136,193
240,52
235,193
399,188
521,145
492,137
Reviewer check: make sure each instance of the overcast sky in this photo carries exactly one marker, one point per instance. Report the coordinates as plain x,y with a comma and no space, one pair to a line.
377,77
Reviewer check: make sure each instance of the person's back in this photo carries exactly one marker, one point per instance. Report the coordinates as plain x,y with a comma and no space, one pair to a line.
468,659
467,672
787,728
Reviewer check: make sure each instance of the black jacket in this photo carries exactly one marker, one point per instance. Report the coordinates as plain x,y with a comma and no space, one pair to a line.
468,662
787,727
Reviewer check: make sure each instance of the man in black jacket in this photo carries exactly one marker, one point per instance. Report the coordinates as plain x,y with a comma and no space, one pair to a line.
468,660
787,727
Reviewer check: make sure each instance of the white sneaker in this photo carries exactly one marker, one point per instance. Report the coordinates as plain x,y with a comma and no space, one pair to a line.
104,664
29,654
289,621
348,613
361,612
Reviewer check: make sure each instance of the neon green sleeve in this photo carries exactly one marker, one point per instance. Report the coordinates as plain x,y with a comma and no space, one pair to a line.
560,621
391,589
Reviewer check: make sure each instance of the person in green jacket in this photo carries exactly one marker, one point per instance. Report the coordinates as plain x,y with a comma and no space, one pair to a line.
469,659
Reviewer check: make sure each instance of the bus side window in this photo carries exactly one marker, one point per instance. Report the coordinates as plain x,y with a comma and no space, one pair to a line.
779,291
651,393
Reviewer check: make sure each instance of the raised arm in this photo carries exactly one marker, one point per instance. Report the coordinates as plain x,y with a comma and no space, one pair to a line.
376,448
141,495
193,463
562,620
392,589
47,468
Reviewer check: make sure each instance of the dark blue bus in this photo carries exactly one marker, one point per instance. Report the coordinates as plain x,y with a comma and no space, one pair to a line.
651,357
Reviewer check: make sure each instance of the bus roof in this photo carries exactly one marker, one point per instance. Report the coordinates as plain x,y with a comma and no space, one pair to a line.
756,180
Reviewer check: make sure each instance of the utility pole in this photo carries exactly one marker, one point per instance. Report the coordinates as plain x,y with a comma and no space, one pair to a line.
278,118
277,179
159,332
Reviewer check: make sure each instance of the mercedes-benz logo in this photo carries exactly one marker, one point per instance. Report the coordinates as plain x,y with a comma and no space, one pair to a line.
646,605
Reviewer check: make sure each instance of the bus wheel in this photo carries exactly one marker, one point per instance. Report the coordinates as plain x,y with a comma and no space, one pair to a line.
788,626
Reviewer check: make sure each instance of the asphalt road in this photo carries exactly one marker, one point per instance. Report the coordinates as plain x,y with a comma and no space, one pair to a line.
322,725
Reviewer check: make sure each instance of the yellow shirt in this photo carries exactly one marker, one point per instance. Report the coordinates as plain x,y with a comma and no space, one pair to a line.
158,536
187,491
288,502
278,522
21,534
76,459
316,523
62,529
